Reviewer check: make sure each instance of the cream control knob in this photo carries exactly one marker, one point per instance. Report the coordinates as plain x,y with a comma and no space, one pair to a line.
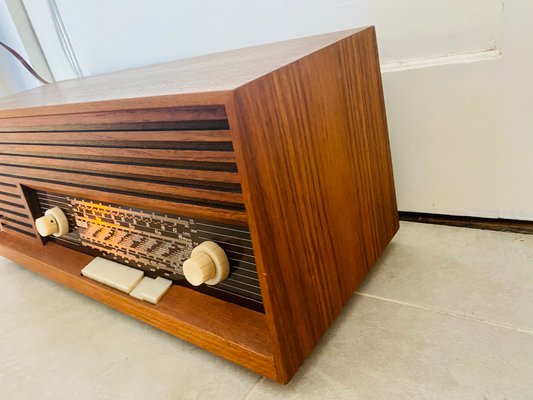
54,223
208,264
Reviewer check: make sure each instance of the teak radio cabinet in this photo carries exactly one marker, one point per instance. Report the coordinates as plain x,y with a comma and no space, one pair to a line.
285,142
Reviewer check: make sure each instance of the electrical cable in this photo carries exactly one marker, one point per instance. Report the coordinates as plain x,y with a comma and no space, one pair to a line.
24,63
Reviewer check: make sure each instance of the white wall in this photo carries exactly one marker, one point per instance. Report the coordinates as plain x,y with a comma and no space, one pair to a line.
13,77
516,144
458,110
109,35
462,135
445,135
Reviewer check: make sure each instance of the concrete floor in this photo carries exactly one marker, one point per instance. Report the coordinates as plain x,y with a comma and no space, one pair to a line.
447,313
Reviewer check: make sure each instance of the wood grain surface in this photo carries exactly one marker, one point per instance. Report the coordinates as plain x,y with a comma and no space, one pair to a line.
312,146
131,137
162,173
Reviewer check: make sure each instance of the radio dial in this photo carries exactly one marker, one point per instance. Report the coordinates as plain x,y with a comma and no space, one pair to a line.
54,223
208,264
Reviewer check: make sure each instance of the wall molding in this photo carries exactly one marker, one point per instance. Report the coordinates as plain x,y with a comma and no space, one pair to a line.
492,224
447,59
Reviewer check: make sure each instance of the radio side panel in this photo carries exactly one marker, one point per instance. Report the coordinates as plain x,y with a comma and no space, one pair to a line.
312,148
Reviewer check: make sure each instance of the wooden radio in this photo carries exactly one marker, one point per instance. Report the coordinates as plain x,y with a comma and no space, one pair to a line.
254,185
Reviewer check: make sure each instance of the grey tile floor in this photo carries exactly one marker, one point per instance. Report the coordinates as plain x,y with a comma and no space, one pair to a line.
447,313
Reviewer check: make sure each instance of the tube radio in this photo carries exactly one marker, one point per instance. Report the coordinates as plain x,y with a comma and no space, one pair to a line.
233,200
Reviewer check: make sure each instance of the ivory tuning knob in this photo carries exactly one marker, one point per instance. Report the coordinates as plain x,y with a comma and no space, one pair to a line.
208,264
54,222
199,269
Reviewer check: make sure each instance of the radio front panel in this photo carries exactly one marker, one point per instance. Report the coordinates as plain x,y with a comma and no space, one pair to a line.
162,167
158,243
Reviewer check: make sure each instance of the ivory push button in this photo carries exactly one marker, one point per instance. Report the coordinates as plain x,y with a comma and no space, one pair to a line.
151,290
208,264
126,279
113,274
54,222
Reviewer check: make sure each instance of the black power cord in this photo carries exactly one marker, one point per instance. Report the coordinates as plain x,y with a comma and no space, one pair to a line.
24,63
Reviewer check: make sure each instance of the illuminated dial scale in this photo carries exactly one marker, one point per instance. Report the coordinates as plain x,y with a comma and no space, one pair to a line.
164,245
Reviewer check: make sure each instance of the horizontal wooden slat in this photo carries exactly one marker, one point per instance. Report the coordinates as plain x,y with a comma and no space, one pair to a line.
139,170
124,184
8,187
18,106
12,206
108,119
21,216
11,197
221,135
18,231
111,153
24,225
168,206
6,180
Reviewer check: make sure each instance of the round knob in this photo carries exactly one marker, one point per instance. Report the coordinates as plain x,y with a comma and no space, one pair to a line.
54,223
199,269
208,264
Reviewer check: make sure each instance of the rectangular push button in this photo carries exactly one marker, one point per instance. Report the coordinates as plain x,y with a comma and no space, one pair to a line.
143,286
113,274
151,290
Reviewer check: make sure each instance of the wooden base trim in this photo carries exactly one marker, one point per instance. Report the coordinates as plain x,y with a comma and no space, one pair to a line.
493,224
238,334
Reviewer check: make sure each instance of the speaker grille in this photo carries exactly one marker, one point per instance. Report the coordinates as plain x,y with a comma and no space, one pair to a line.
188,165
